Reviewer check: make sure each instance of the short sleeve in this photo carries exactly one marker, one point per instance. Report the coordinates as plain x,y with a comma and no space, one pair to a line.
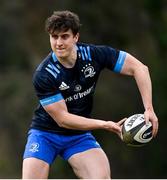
45,88
109,57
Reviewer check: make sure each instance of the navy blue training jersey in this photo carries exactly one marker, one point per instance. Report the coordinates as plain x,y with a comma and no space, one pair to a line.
54,82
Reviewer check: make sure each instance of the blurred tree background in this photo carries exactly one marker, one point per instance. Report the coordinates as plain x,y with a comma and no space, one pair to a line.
138,27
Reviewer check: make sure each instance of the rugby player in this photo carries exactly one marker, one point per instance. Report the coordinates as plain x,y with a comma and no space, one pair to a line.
65,83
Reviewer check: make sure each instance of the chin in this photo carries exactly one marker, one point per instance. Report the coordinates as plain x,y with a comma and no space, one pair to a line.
61,56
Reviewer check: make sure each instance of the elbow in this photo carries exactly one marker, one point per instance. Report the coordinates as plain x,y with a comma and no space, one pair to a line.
141,70
144,69
61,123
61,120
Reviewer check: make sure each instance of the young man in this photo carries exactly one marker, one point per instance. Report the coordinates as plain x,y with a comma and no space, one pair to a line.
65,83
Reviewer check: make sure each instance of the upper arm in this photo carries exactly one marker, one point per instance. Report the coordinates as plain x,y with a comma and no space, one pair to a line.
49,95
131,64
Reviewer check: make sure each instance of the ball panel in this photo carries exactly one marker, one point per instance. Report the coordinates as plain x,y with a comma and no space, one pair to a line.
128,136
144,135
133,121
148,133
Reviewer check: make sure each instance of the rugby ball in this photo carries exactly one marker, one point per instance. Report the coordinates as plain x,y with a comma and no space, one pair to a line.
135,132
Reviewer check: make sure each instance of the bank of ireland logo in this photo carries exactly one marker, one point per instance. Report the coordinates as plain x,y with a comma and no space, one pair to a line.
88,70
34,147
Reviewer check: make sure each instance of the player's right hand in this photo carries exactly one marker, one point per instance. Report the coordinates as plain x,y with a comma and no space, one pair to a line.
115,127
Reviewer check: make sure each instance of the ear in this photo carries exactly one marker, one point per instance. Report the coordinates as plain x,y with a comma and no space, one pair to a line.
76,37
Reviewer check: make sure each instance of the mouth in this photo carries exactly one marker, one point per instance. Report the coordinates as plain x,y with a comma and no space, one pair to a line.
59,50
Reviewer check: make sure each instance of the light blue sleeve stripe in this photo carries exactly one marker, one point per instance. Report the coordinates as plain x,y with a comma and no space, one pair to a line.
88,48
120,61
84,50
82,54
54,57
52,73
51,99
53,67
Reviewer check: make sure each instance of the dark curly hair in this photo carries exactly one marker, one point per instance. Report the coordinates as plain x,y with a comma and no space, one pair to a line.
62,21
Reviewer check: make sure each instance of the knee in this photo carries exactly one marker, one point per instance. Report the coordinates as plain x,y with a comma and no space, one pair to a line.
34,169
101,175
98,174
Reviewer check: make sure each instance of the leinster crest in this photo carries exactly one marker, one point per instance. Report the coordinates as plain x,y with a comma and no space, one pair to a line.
88,71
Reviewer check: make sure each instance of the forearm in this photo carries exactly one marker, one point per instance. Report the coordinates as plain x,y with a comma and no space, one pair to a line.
144,84
72,121
140,72
58,111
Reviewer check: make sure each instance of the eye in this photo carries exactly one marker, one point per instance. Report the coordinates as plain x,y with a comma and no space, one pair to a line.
65,36
54,36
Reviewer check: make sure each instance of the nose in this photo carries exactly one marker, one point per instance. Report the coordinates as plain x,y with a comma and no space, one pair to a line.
59,41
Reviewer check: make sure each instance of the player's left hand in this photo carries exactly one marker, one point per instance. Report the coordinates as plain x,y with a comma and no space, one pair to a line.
150,115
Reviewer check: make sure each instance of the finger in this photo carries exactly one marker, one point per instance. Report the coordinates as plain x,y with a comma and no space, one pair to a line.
146,117
155,128
121,121
117,128
154,123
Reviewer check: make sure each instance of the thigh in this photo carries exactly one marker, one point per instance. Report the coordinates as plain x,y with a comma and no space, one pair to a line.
91,164
34,169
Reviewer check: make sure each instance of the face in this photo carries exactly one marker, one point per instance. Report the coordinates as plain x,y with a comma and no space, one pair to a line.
63,43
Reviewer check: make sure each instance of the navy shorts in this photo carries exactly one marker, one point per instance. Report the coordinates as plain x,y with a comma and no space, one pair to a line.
46,146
